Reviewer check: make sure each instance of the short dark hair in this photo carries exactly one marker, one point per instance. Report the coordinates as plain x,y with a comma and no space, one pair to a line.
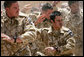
8,3
47,6
54,14
71,2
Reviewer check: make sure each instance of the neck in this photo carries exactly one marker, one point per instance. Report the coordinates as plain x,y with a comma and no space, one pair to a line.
8,15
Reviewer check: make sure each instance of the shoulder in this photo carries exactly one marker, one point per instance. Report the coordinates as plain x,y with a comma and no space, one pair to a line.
4,17
63,29
66,30
22,18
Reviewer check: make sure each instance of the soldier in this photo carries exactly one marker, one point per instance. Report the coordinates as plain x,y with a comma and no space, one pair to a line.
44,20
13,27
37,39
64,7
75,23
61,41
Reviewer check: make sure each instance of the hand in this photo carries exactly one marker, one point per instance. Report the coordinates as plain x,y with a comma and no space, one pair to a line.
5,36
9,40
54,24
40,19
18,40
49,51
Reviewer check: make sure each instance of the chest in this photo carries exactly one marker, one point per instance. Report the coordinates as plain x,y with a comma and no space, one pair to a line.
11,27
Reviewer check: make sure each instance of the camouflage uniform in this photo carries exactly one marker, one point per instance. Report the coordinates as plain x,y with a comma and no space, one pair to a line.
48,37
75,23
38,39
14,27
61,40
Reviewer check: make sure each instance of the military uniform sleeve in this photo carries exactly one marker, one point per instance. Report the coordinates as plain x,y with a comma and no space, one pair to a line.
70,43
69,40
69,47
29,31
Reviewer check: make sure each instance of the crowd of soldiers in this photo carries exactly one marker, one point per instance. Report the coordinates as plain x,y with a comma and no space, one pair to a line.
41,32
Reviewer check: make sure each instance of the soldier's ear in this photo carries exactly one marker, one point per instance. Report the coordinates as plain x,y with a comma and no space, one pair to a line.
43,12
6,9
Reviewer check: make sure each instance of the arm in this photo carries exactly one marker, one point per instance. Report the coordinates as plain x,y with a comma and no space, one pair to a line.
40,19
4,36
69,46
29,31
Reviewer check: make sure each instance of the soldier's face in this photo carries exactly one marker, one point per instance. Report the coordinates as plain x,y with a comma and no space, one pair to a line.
74,8
13,10
47,13
58,23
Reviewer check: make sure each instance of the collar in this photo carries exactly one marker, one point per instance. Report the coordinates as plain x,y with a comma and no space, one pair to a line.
63,29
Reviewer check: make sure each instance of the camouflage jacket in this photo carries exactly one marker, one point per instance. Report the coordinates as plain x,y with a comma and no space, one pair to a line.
62,39
75,23
14,27
45,37
37,39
